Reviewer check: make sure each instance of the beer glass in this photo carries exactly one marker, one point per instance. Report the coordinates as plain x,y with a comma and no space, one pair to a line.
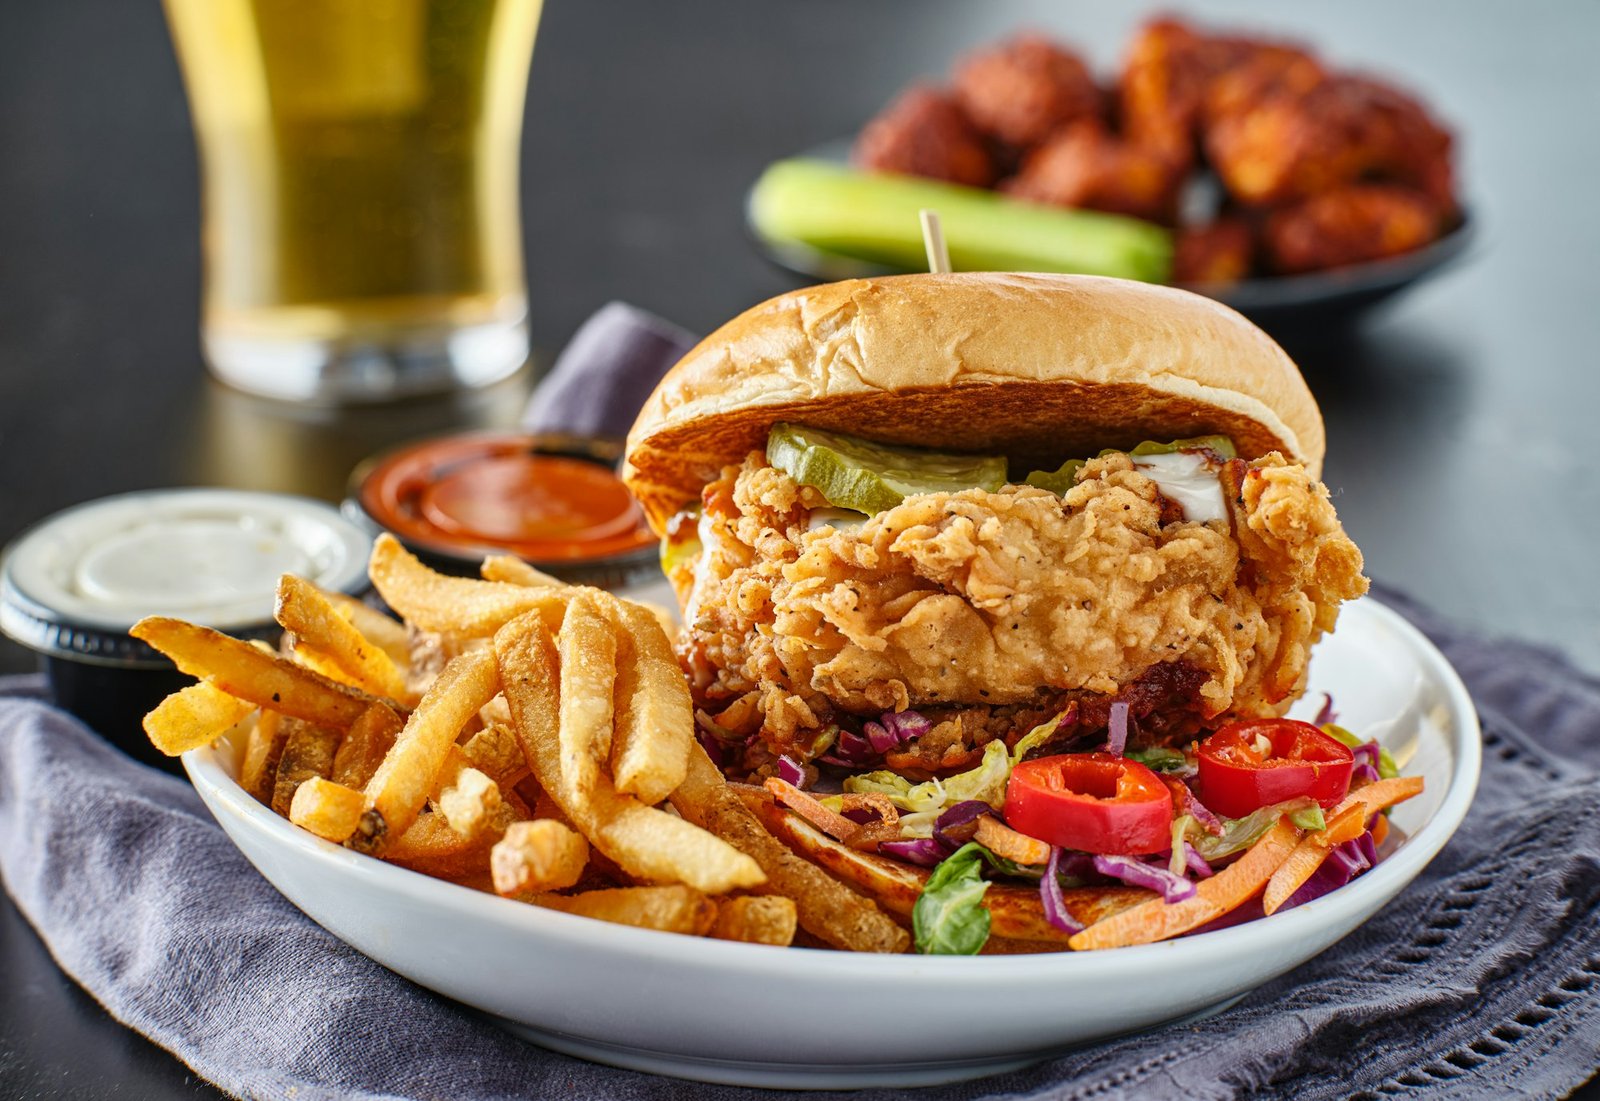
359,191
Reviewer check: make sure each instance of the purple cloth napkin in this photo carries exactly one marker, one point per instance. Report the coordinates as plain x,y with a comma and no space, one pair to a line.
606,372
1482,980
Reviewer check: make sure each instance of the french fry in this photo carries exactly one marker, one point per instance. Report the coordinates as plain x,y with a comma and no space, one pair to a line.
365,745
259,676
514,571
1227,890
193,717
263,748
318,661
388,635
329,810
307,753
756,919
825,907
465,796
401,785
304,610
647,843
1002,840
454,605
542,855
1309,855
494,752
654,712
431,847
588,651
671,909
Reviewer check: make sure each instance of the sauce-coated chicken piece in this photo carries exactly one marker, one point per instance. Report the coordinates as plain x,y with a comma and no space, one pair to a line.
924,133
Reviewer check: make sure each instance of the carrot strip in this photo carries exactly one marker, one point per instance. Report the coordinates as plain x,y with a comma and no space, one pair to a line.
1002,840
1380,830
1227,890
834,825
1309,855
1384,793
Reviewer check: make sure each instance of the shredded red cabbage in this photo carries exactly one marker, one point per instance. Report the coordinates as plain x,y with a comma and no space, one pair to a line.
879,737
906,725
926,851
1173,888
1326,714
851,750
711,745
959,815
1055,904
1368,847
1196,809
1367,754
789,771
1195,862
1117,730
1364,771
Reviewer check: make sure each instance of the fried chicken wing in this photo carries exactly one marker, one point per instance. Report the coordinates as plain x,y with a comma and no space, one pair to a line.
1297,142
1170,75
1084,166
924,133
1222,251
1023,90
1004,606
1348,226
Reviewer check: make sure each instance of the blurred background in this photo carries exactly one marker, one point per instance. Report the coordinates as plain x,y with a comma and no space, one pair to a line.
1458,418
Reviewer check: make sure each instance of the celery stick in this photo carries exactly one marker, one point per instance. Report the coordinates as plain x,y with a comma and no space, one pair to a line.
873,217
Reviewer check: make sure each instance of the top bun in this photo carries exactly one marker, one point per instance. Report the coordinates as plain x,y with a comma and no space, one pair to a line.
1040,368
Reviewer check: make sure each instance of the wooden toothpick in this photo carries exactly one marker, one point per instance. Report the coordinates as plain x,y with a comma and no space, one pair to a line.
933,241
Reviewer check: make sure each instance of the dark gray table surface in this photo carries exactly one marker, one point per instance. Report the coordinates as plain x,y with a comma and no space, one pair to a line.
1460,421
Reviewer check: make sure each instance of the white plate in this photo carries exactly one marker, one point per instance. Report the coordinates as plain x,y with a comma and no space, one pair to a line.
710,1010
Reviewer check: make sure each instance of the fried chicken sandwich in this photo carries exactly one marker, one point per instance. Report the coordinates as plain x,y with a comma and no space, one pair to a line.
913,520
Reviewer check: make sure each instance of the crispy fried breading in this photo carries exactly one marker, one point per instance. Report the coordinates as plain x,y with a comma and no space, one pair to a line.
924,133
1022,90
1347,226
987,600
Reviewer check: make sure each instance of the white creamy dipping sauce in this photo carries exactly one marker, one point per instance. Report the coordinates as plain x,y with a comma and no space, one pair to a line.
1187,479
209,555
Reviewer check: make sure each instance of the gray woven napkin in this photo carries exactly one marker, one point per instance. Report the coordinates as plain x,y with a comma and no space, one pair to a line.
1482,979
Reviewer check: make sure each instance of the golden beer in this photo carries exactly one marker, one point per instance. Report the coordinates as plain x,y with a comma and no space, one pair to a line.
360,190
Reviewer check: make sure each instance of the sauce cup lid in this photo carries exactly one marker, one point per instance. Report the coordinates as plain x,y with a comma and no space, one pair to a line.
74,583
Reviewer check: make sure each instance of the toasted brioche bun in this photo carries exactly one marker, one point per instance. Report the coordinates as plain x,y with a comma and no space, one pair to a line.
1040,368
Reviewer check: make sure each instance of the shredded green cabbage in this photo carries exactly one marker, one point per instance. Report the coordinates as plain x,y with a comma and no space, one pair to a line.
1238,834
1387,769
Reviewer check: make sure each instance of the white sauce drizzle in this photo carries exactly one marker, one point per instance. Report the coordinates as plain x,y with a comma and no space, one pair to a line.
1188,479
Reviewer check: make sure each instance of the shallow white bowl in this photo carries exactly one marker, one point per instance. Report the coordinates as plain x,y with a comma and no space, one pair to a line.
709,1010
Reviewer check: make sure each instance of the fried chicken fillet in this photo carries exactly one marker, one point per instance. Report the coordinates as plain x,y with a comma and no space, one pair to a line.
1010,603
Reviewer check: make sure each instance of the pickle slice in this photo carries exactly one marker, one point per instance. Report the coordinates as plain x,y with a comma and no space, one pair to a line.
870,477
1059,480
1220,444
1065,476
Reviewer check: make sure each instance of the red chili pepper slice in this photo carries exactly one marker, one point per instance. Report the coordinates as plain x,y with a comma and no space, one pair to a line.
1092,802
1255,763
